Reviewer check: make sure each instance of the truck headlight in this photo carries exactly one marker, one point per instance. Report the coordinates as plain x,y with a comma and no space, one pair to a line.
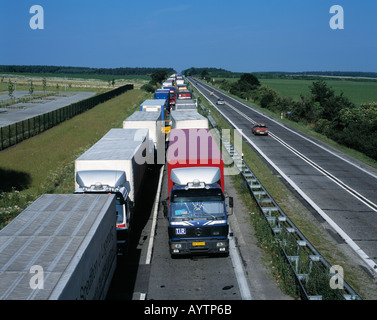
221,244
176,246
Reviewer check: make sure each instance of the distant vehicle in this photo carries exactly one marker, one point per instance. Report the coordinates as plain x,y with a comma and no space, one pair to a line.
220,101
259,129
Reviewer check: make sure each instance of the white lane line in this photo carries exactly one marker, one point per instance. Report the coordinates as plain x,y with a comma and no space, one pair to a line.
153,229
154,222
339,230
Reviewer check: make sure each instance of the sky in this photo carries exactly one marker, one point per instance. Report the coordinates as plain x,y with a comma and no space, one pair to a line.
237,35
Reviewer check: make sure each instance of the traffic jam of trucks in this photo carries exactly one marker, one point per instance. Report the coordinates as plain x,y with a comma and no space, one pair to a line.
77,238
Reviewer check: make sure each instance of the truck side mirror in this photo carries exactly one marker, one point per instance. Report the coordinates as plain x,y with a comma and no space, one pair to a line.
230,206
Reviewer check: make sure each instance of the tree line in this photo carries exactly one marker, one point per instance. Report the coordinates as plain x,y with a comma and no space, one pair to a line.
81,70
330,114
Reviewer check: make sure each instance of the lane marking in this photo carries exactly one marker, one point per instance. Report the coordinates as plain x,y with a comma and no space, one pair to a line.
331,222
154,222
153,229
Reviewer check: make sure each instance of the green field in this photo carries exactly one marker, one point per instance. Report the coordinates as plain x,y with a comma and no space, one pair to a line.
356,91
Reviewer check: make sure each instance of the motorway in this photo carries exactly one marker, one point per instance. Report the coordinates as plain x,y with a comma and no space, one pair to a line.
149,272
342,190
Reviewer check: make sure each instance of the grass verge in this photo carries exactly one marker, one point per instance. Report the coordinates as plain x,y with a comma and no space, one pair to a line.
45,163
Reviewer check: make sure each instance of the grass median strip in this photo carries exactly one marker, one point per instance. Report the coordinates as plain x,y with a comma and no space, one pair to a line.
45,163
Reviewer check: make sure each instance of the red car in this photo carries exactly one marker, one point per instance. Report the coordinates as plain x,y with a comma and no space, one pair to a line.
260,129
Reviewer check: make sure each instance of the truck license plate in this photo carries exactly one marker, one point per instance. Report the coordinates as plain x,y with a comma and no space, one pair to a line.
196,244
180,230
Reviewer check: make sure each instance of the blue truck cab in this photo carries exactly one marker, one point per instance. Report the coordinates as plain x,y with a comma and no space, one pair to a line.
198,215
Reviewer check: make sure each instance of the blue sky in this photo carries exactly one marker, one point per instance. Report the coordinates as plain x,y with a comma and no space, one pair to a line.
237,35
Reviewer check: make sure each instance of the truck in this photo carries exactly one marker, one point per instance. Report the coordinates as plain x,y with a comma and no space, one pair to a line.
186,104
61,247
162,94
172,90
196,206
156,128
155,105
184,94
116,164
188,119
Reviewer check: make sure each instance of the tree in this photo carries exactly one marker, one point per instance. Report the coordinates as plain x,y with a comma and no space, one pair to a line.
158,76
31,88
205,74
249,80
10,88
44,81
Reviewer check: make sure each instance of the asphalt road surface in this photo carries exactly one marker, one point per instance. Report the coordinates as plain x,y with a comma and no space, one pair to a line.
341,189
149,272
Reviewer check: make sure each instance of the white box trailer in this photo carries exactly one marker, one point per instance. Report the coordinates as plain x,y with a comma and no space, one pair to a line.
155,105
188,119
120,149
186,104
63,246
150,120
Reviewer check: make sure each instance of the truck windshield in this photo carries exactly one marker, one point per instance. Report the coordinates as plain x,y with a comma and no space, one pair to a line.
197,204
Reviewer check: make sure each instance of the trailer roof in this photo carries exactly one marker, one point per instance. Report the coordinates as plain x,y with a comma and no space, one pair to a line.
144,116
186,115
154,102
50,233
117,144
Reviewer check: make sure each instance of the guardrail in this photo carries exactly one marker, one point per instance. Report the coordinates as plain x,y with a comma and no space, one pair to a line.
22,130
313,273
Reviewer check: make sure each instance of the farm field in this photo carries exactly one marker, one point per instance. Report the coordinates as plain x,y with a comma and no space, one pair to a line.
357,91
69,82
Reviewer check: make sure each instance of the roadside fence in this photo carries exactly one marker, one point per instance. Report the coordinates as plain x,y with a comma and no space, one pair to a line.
22,130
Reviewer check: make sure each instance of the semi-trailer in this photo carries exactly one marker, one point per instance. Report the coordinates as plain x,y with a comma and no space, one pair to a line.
196,206
162,94
172,90
116,164
61,247
155,105
188,119
186,104
156,128
184,94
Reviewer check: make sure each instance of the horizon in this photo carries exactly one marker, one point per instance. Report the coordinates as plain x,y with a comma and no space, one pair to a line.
149,67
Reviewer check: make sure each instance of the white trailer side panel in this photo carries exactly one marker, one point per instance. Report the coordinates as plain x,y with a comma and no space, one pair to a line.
151,121
121,150
188,120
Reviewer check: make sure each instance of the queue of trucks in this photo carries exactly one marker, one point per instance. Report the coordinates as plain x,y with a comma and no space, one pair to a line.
73,241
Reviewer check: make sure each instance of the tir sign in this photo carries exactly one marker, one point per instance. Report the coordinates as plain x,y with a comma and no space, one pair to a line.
180,230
